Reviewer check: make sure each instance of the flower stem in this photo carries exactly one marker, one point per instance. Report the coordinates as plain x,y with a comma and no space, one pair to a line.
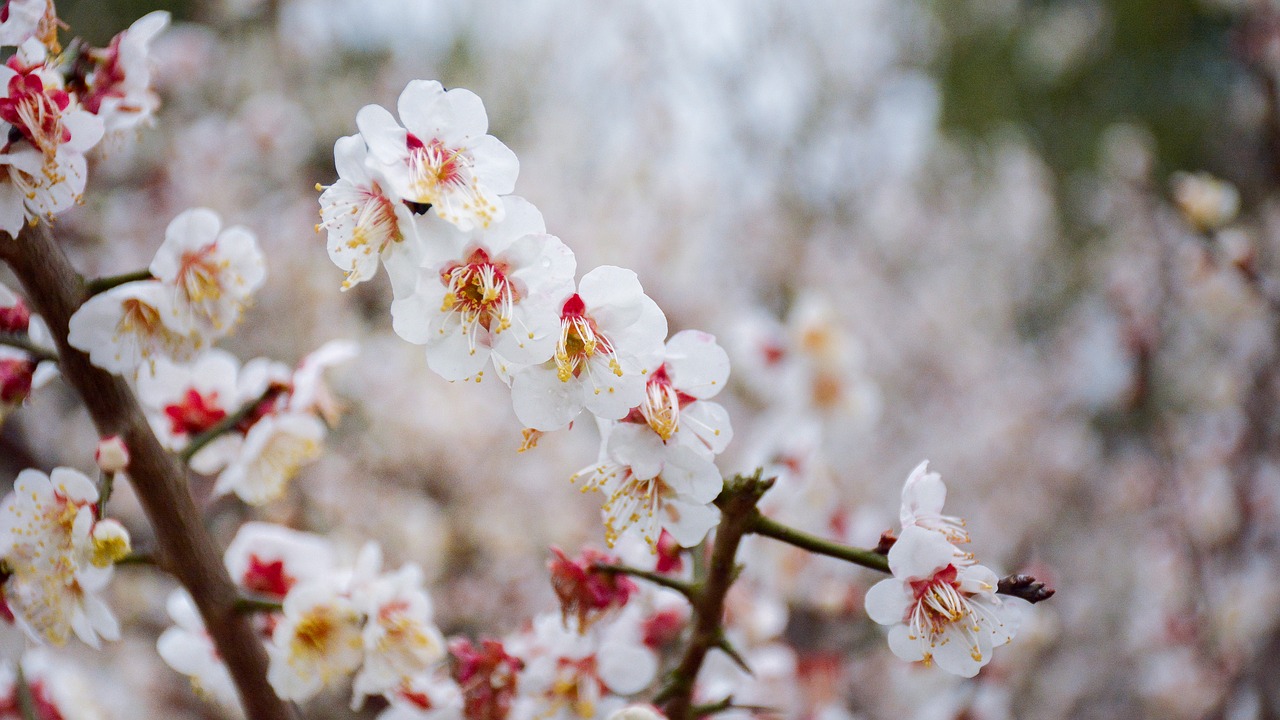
104,493
56,291
257,605
223,426
103,284
762,525
680,586
23,343
737,503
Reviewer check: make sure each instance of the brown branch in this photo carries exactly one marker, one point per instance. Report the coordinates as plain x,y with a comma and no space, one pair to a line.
737,505
56,291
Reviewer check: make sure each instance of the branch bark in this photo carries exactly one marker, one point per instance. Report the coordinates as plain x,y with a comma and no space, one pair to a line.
55,290
737,505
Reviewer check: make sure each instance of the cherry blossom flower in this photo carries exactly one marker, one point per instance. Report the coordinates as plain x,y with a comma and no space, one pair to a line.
212,273
571,675
317,642
269,560
586,594
187,648
400,641
182,401
308,391
922,498
274,448
694,368
610,336
54,690
433,696
364,224
130,325
59,557
48,135
497,290
118,89
20,20
441,156
939,608
15,318
651,486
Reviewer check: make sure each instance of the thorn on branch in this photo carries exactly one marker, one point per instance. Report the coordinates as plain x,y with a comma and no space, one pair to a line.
1025,587
728,649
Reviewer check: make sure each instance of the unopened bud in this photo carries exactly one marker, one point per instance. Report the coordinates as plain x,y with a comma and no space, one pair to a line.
112,456
15,379
15,318
110,543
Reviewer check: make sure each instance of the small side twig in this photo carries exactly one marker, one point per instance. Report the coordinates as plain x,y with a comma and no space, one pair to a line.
26,698
23,343
684,588
222,427
762,525
105,283
257,605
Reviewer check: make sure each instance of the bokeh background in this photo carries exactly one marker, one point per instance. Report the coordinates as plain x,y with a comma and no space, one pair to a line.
955,220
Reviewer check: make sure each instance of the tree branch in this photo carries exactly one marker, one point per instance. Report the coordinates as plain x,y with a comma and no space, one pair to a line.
55,290
762,525
737,503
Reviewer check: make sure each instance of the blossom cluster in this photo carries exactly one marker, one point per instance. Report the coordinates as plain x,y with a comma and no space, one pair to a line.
57,106
480,283
334,622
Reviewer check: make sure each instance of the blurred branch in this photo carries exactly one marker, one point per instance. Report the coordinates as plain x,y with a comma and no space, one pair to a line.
23,343
56,291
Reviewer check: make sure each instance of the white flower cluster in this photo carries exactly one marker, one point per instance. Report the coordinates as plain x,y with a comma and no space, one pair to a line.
57,556
53,112
335,622
479,282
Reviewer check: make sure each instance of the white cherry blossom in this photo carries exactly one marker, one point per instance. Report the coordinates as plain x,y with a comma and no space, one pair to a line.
187,648
400,641
940,609
922,498
183,400
364,223
676,406
441,156
57,564
317,641
497,290
269,560
274,448
210,272
611,335
651,486
119,86
130,325
22,20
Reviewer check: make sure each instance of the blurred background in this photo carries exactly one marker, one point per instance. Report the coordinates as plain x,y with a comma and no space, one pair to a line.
972,231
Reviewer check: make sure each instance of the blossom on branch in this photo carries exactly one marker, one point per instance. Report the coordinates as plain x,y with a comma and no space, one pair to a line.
118,83
59,556
610,337
441,156
479,292
363,222
210,273
940,608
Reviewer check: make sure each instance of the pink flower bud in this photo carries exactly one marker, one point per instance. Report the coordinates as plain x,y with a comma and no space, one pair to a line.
15,379
15,318
112,456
